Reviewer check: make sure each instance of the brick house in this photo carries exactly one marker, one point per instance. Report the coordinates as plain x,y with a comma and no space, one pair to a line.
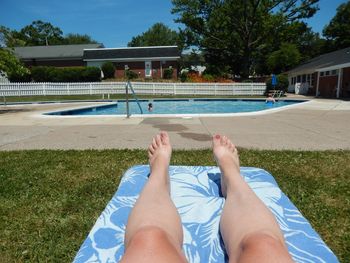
56,56
327,75
146,62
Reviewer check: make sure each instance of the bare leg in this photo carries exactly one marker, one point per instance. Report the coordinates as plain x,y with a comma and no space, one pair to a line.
154,230
248,228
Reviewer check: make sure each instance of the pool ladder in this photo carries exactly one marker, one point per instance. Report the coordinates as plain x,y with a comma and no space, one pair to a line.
127,86
278,94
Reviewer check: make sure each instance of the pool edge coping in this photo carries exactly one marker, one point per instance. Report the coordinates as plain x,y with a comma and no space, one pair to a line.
45,114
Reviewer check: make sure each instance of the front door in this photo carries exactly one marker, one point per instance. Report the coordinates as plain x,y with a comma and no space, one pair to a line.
148,68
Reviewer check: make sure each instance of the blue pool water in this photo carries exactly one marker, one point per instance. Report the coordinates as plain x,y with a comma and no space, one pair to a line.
180,106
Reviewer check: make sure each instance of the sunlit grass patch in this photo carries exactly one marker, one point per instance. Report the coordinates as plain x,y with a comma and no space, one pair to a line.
49,200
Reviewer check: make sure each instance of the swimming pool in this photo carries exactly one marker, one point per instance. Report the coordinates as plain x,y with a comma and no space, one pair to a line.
180,107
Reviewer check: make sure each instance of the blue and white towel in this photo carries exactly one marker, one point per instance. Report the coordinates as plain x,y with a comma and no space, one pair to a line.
195,191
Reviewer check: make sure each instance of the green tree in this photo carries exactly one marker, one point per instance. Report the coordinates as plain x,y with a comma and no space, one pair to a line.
158,35
14,69
283,59
338,30
40,33
232,33
9,38
194,58
73,39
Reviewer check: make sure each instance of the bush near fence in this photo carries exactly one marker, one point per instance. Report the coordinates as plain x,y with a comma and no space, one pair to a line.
71,74
168,73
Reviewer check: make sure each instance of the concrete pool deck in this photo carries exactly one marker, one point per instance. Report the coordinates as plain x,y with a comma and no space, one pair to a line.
318,125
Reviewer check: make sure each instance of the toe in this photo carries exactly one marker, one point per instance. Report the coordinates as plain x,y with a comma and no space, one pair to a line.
232,147
216,140
165,137
154,144
158,140
222,140
225,140
151,149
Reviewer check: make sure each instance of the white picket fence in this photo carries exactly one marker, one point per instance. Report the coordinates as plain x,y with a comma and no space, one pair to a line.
144,88
3,77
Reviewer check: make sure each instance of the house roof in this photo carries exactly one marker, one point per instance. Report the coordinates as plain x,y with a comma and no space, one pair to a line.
325,61
132,53
51,52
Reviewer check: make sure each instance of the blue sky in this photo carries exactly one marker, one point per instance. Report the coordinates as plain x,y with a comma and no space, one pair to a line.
112,22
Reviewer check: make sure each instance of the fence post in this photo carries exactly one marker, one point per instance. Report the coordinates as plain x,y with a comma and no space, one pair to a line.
68,91
90,89
174,89
153,87
215,88
251,89
44,89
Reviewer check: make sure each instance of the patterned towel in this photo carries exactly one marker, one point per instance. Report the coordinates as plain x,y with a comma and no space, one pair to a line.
196,194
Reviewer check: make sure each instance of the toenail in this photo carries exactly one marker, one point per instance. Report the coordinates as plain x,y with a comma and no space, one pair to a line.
217,136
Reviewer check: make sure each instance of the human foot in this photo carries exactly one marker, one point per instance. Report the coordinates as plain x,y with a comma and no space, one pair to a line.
226,156
159,153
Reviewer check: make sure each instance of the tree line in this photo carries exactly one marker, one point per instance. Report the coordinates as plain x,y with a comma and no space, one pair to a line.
232,37
258,37
249,38
40,33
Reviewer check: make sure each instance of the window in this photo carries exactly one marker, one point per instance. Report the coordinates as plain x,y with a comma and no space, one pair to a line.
303,79
312,79
298,79
333,72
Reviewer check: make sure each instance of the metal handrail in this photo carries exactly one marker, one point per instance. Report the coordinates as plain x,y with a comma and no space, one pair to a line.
127,85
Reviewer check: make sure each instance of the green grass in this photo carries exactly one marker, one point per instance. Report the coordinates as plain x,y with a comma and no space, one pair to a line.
114,97
49,200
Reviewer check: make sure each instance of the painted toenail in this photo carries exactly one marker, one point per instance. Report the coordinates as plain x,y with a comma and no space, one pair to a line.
217,136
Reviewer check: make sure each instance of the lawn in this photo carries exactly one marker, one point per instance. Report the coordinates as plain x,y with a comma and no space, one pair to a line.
49,200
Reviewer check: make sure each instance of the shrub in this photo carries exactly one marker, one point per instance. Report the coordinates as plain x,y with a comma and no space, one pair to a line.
20,76
282,83
168,73
71,74
41,74
14,69
184,76
194,77
208,77
108,70
129,74
91,74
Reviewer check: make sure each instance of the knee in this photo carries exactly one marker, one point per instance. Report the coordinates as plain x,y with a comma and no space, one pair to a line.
263,243
150,236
